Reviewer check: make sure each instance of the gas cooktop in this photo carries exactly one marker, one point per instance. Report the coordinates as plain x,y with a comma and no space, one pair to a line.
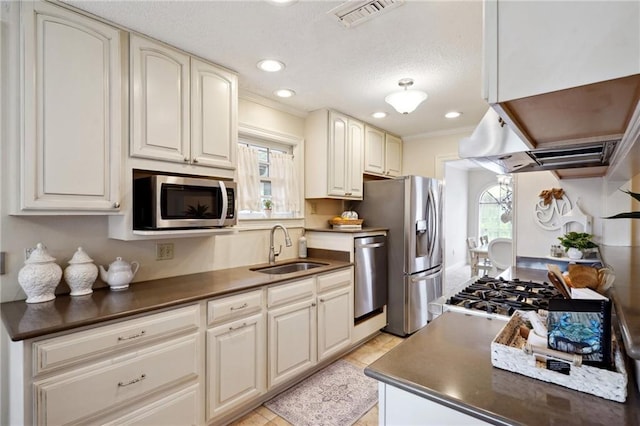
503,297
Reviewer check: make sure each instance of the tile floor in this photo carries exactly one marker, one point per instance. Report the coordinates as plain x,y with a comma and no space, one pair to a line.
362,356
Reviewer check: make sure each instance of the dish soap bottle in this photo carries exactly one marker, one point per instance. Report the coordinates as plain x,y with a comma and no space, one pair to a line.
302,247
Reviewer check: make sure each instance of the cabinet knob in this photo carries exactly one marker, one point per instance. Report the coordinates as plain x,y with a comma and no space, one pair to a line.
321,300
347,193
116,205
195,160
313,304
186,160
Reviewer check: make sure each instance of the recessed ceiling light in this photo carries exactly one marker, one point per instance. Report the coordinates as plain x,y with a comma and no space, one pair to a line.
282,2
453,114
284,93
270,65
379,114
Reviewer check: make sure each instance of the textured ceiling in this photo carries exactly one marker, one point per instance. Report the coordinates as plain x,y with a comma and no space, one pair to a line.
438,44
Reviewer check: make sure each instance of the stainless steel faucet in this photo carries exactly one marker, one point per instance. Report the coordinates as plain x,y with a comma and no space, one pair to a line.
272,251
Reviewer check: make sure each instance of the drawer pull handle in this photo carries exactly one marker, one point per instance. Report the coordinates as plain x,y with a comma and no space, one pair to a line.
132,381
244,324
244,305
133,336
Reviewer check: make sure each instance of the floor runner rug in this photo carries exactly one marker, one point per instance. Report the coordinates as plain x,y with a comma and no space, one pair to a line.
337,395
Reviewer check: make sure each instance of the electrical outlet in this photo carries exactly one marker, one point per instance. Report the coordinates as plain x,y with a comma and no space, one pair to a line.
314,207
27,252
164,251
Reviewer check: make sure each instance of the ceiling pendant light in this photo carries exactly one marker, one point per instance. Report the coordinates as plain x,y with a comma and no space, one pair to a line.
406,101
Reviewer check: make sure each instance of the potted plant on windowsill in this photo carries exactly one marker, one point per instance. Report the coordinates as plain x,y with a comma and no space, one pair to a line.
576,242
267,205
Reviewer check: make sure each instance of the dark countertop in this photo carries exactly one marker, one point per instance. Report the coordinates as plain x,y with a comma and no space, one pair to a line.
449,362
28,320
625,293
347,231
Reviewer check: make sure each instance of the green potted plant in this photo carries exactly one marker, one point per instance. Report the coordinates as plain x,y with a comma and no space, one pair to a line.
267,205
576,242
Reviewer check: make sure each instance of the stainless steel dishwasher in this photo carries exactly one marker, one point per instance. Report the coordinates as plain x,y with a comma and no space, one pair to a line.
371,274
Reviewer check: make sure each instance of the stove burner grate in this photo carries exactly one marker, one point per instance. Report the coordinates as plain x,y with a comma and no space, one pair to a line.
500,296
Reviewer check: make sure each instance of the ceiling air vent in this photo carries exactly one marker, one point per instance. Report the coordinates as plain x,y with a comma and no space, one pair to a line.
353,13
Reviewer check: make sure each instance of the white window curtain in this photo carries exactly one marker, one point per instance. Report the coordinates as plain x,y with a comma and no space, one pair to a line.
284,183
248,179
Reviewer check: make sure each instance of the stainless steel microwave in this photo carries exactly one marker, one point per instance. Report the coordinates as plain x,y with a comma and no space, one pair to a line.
177,202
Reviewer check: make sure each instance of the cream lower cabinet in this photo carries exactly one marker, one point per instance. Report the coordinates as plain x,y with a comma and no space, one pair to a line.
236,352
292,330
72,118
131,372
335,312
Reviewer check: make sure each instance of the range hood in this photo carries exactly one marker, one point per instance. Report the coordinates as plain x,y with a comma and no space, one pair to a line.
573,133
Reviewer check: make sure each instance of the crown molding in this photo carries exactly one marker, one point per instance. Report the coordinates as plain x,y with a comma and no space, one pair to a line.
270,103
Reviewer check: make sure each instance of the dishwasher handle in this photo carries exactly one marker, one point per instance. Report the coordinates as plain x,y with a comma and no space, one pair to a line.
373,245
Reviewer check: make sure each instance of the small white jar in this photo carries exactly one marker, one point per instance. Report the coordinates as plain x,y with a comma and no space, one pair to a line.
40,276
81,273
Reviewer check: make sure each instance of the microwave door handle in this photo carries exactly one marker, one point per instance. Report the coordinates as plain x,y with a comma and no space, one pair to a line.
225,203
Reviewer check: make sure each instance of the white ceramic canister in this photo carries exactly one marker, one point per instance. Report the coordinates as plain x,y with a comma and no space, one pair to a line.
81,273
40,276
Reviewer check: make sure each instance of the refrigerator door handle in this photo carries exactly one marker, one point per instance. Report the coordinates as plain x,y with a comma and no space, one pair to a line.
431,215
425,277
421,226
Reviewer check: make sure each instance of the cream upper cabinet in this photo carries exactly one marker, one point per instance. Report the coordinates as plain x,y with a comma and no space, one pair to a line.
541,47
333,156
393,155
373,150
72,100
382,152
214,105
159,101
183,109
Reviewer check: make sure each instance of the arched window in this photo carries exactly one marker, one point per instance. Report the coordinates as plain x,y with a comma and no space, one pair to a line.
495,211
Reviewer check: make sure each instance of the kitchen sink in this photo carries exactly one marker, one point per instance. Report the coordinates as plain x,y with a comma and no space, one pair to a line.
288,268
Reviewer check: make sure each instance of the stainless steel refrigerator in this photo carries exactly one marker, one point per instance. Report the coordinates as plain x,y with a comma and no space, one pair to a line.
410,207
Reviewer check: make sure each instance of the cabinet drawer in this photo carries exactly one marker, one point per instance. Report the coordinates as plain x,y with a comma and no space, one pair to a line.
290,292
180,408
233,306
334,279
76,347
88,391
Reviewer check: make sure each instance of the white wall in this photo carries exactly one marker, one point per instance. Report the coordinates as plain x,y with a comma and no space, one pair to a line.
591,195
424,154
456,210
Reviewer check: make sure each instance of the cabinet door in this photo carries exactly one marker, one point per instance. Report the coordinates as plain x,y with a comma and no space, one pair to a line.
236,363
393,155
542,47
338,154
292,340
159,101
214,94
374,151
72,111
335,321
354,161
